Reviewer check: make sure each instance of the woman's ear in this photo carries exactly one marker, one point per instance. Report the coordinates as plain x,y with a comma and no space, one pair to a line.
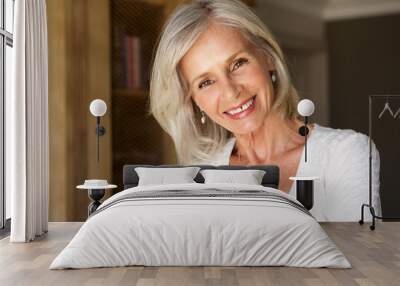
194,102
270,63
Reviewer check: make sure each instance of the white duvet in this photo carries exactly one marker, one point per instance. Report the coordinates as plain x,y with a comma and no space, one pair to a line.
183,231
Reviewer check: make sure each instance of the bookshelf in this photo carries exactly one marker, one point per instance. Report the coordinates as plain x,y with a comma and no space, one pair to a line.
136,136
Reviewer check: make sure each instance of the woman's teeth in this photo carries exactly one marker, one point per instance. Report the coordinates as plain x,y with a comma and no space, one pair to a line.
241,108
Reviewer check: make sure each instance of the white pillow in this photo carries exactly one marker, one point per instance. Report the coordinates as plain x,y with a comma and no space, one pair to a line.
162,176
248,177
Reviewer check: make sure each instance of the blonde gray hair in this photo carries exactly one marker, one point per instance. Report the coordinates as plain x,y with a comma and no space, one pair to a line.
170,103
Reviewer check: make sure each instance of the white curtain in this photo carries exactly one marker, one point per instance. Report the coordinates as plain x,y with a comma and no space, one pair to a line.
27,124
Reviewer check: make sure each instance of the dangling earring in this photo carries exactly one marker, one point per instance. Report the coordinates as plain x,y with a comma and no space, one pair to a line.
273,76
203,118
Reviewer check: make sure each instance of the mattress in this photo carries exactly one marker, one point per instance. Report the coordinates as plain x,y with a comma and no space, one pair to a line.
201,225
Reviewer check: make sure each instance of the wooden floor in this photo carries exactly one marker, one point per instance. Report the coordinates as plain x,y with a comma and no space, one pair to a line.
374,255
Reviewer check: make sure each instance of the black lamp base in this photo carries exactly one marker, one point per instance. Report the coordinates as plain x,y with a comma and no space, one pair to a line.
305,193
95,195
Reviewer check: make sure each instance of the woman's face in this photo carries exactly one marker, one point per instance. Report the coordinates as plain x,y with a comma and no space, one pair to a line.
229,79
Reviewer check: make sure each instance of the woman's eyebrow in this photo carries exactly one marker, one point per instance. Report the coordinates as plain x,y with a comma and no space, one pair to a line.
229,59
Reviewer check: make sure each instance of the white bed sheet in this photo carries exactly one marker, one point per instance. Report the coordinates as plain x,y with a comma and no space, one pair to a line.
200,231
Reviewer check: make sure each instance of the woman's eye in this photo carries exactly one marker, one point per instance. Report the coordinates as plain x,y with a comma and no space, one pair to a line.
205,83
239,63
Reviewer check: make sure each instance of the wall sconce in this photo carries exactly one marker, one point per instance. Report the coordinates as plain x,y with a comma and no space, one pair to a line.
98,108
306,109
305,185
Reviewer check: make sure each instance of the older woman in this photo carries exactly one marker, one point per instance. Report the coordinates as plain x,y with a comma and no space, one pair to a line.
221,89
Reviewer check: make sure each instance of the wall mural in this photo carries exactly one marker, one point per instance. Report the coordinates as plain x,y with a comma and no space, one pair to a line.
240,111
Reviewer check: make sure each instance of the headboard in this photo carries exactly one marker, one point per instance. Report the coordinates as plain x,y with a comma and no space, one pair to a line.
270,179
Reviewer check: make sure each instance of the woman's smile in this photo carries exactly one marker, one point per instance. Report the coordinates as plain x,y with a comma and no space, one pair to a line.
242,110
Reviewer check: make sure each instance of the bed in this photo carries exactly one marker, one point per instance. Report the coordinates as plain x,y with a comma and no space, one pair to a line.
201,224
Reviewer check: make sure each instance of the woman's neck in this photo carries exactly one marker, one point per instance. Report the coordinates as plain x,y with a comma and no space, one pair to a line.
268,143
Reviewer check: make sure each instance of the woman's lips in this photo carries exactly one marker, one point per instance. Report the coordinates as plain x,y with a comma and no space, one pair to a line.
242,111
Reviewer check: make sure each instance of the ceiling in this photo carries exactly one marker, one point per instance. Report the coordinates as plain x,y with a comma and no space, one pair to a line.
330,10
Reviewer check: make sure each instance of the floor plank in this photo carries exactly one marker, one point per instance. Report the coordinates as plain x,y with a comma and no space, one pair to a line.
374,255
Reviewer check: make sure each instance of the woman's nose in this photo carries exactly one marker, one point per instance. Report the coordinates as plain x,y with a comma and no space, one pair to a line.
231,88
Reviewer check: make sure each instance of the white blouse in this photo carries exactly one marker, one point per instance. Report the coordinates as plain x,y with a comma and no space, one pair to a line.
340,158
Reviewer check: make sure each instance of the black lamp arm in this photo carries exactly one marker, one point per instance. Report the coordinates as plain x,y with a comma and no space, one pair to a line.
305,138
303,131
100,131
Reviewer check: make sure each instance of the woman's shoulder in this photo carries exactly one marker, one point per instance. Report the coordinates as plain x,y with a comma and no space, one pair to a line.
344,138
345,151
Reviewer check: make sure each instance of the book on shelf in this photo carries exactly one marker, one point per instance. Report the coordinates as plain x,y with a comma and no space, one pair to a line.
133,62
128,67
117,58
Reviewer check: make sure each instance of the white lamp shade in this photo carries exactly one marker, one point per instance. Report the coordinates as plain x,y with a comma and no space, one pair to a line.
98,107
306,107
